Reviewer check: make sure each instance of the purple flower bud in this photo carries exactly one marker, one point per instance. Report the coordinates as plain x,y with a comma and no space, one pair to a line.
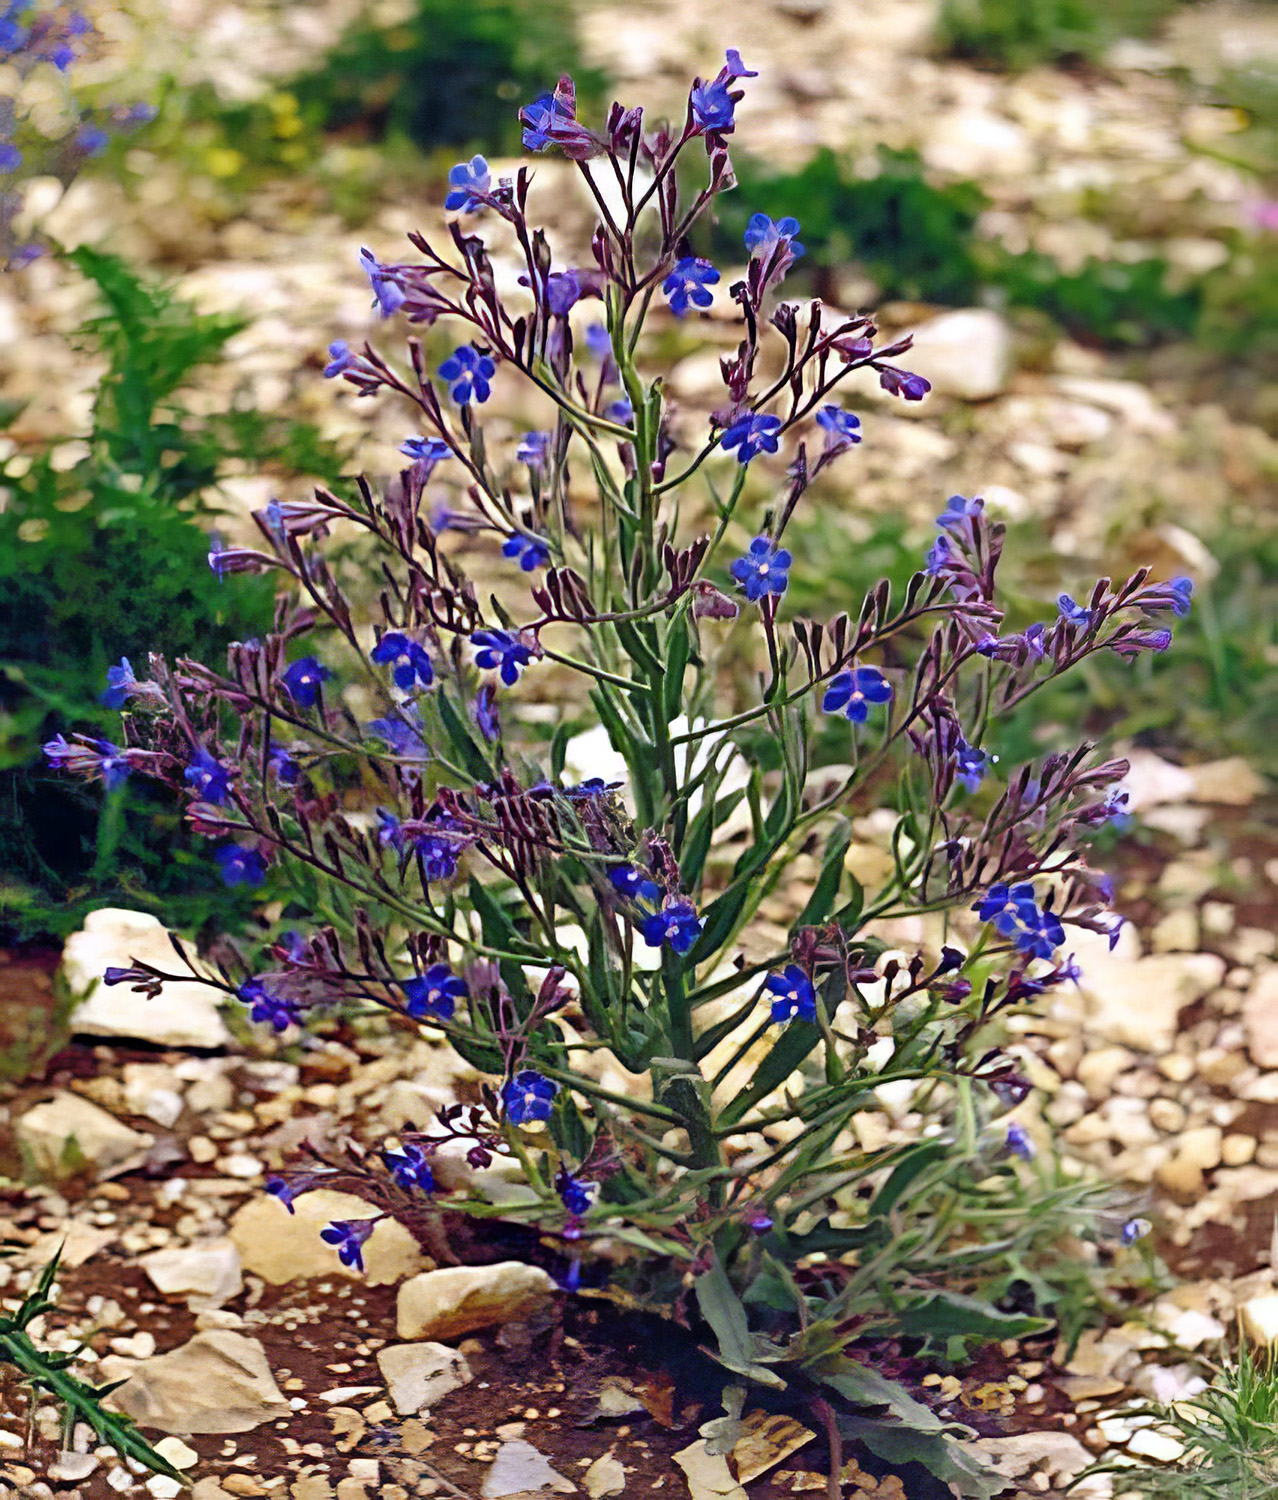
902,383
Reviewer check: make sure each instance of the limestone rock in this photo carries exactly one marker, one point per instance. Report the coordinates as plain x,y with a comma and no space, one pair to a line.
1260,1320
459,1299
1260,1018
708,1474
606,1476
1059,1455
207,1273
185,1014
280,1247
519,1469
216,1382
1135,1002
967,353
67,1133
419,1375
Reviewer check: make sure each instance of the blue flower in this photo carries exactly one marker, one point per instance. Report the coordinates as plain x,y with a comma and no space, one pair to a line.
410,1168
959,512
795,997
403,736
285,1191
1072,613
389,830
563,291
712,106
340,359
531,551
435,993
528,1096
851,693
91,140
302,681
735,68
676,924
690,281
752,434
349,1236
465,180
388,295
843,428
468,371
764,569
762,235
1177,595
940,556
10,157
286,768
209,779
533,449
969,765
621,410
408,661
240,866
903,383
119,682
1019,1143
265,1008
1133,1230
92,758
1013,913
425,450
633,884
575,1195
487,718
551,120
501,651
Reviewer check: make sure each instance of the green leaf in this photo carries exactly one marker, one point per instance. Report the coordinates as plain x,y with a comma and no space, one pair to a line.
941,1314
793,1045
939,1453
462,741
826,891
913,1161
720,1306
677,650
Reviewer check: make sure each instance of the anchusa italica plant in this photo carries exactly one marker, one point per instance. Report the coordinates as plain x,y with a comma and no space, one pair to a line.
550,930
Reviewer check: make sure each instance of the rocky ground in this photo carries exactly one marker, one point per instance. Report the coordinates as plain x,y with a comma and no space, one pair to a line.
271,1370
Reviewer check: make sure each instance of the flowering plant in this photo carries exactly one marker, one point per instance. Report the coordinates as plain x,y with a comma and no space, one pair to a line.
681,1089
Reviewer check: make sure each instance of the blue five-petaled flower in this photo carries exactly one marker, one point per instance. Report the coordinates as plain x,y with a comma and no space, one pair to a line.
465,180
469,372
690,282
240,866
208,778
794,996
303,679
407,659
410,1168
676,924
435,993
264,1007
119,682
752,434
1072,613
530,551
762,235
712,106
501,651
851,693
633,884
765,569
843,428
528,1096
1013,912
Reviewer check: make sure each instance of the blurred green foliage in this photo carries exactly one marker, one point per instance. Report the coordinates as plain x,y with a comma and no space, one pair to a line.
1018,34
433,77
919,241
106,558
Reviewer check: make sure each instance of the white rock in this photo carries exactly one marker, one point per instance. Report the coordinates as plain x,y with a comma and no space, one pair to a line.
67,1132
708,1474
972,142
207,1273
1260,1017
162,1487
153,1090
967,353
419,1375
1260,1320
70,1468
185,1014
281,1247
1136,1001
519,1469
1233,782
1159,1446
1152,780
1059,1455
459,1299
606,1476
216,1382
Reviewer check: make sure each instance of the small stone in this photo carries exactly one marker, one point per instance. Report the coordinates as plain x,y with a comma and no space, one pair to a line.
216,1382
67,1134
606,1476
459,1299
70,1468
419,1375
1233,782
967,353
207,1272
176,1452
1260,1320
1167,1115
708,1474
1177,932
366,1470
1176,1067
312,1487
519,1468
201,1149
1237,1150
1146,1443
1098,1070
1260,1019
243,1484
162,1487
140,1345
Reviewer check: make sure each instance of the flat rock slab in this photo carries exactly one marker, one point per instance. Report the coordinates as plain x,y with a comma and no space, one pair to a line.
460,1299
281,1247
67,1133
419,1375
216,1382
519,1469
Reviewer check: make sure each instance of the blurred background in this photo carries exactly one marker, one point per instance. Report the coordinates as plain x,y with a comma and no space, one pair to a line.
1072,203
